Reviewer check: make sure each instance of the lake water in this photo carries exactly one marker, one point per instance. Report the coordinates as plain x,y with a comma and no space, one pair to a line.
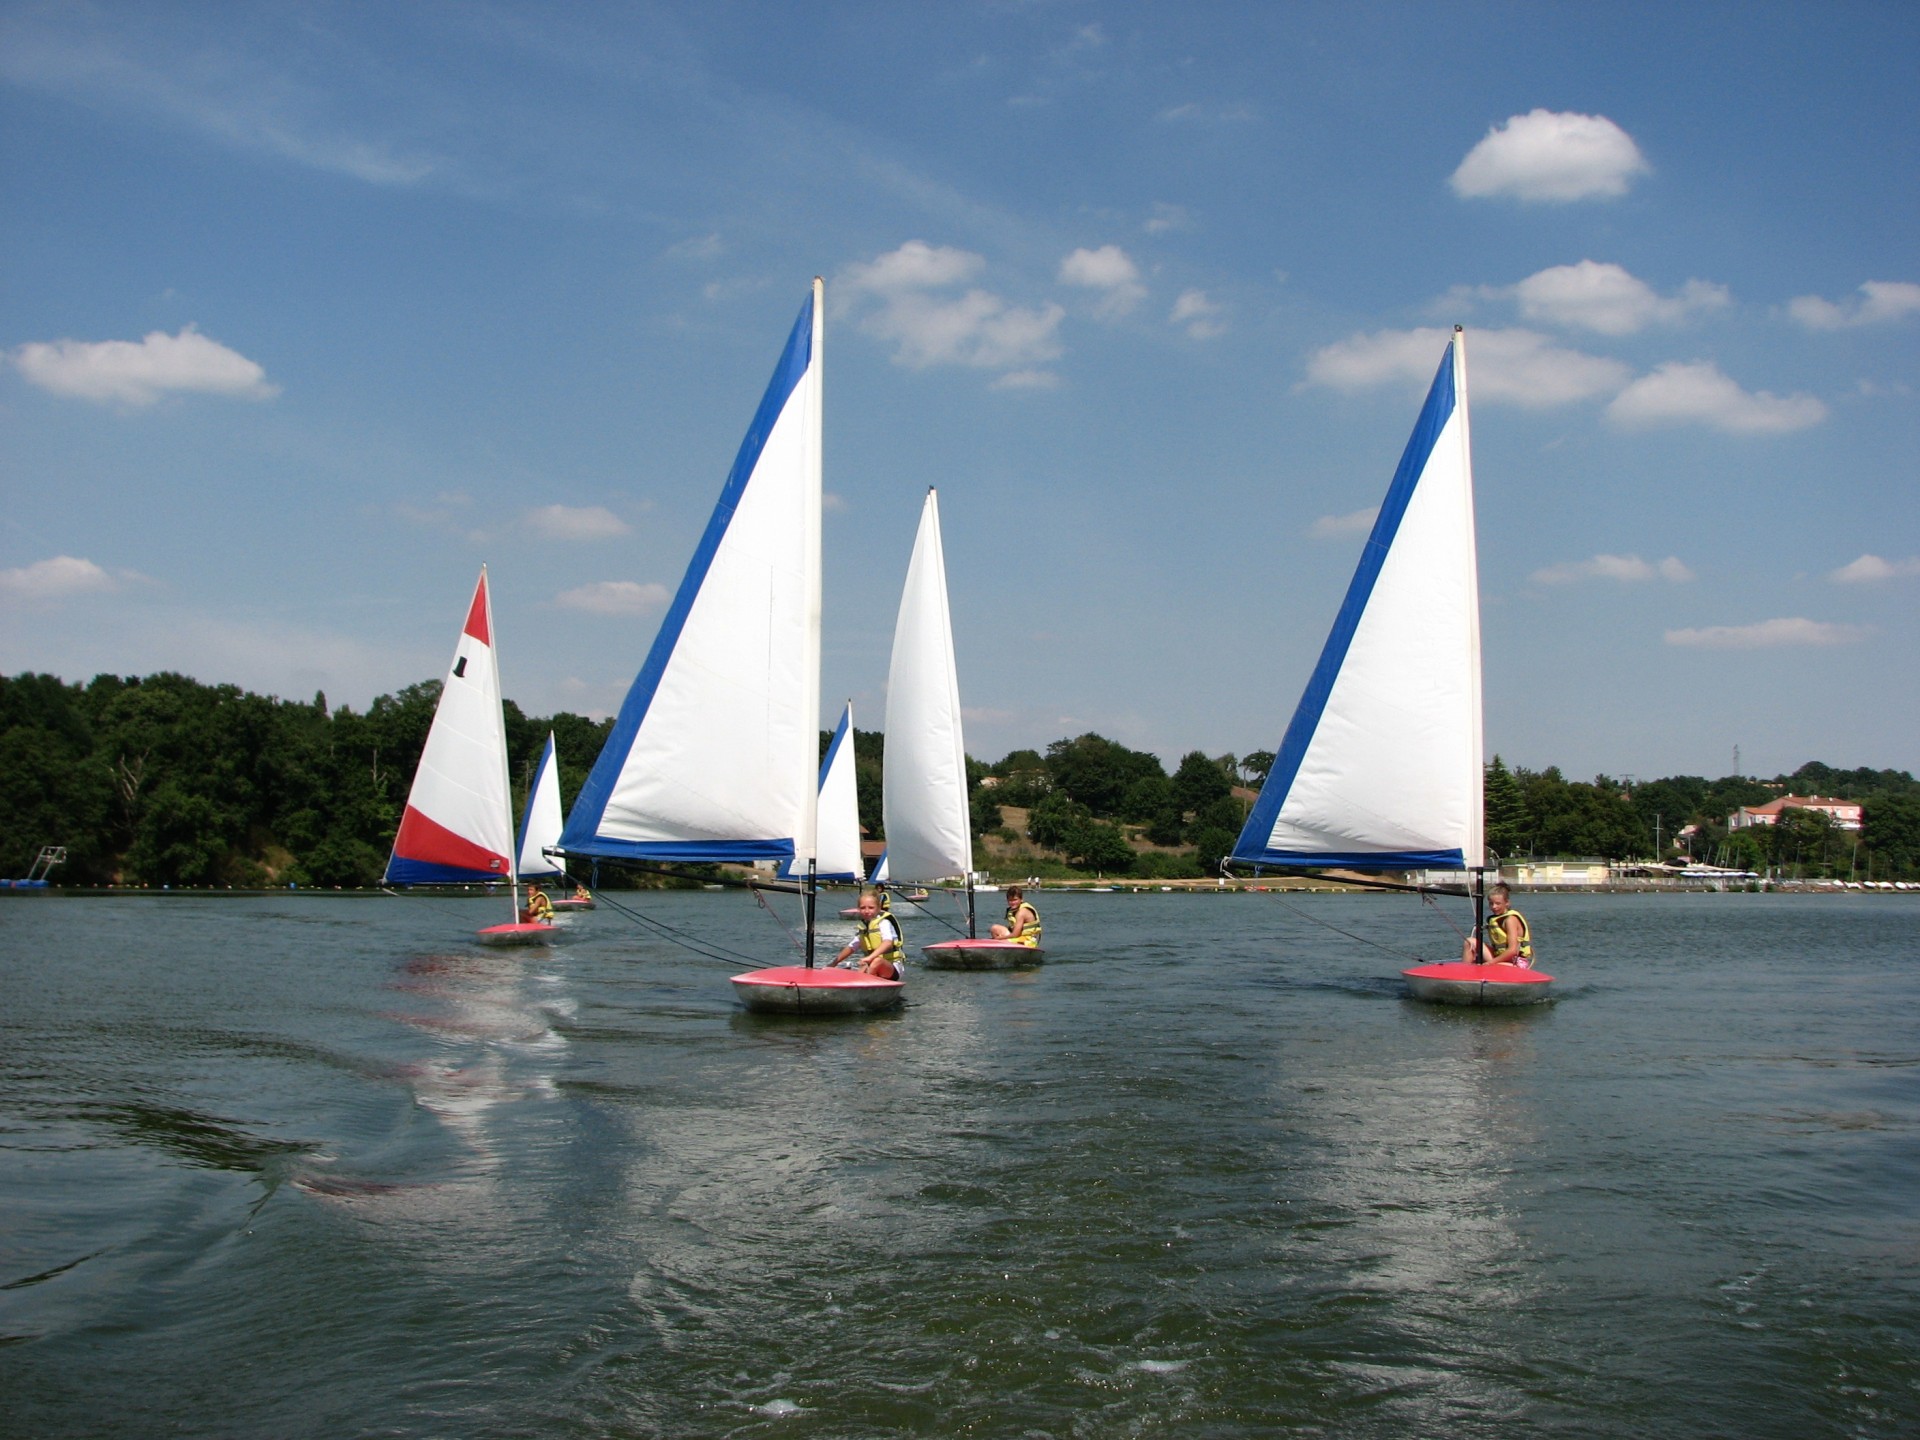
320,1167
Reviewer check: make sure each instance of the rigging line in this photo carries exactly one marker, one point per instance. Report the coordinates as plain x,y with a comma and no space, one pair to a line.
792,939
1427,899
926,914
1363,939
674,935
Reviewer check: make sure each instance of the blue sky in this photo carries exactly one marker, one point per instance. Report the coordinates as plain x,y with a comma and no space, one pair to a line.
309,309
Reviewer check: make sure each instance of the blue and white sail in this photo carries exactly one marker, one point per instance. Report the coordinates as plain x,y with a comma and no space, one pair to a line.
541,825
1381,767
839,811
929,835
713,754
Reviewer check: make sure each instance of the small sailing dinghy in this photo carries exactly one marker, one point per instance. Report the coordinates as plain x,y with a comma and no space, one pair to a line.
540,831
714,754
929,829
1381,767
457,828
838,802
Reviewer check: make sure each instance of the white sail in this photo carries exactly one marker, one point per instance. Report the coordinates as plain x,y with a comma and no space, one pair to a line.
458,824
540,826
925,766
839,812
1381,765
712,756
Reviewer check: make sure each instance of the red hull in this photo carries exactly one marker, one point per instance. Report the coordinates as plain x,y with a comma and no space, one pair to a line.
981,955
821,990
517,934
1459,983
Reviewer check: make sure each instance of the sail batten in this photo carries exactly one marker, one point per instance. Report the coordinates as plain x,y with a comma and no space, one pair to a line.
928,825
712,755
1380,766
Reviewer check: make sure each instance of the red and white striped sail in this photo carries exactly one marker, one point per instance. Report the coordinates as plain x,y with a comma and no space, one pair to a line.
458,825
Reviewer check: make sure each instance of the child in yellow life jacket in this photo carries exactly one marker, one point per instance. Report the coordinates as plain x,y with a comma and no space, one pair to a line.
1023,921
1509,938
878,948
539,908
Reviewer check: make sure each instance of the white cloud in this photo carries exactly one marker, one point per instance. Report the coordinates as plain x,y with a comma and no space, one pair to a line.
576,522
1679,393
1767,634
976,329
1109,269
1357,522
1517,367
1167,217
1027,380
1608,300
139,374
56,579
614,597
916,265
1544,156
697,247
1884,301
1198,314
1628,569
215,88
1869,569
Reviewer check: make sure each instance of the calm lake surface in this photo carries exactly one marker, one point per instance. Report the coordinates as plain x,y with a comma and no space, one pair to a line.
321,1167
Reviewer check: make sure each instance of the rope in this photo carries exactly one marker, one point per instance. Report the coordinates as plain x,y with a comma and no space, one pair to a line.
1428,900
792,939
924,913
676,936
1362,939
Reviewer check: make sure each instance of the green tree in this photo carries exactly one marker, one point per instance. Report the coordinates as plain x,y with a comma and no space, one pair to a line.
1053,822
1097,772
1506,810
1198,782
1096,845
1890,834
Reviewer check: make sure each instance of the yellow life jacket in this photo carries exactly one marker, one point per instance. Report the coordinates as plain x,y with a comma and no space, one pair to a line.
539,907
1497,934
1030,935
873,939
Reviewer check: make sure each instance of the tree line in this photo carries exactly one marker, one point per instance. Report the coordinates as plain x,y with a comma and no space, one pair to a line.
163,780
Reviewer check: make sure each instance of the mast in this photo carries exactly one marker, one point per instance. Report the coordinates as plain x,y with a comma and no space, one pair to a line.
1476,847
506,769
807,844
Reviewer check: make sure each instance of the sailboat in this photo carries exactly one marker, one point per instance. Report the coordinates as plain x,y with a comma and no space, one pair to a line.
457,828
924,800
540,830
714,753
1381,767
838,811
